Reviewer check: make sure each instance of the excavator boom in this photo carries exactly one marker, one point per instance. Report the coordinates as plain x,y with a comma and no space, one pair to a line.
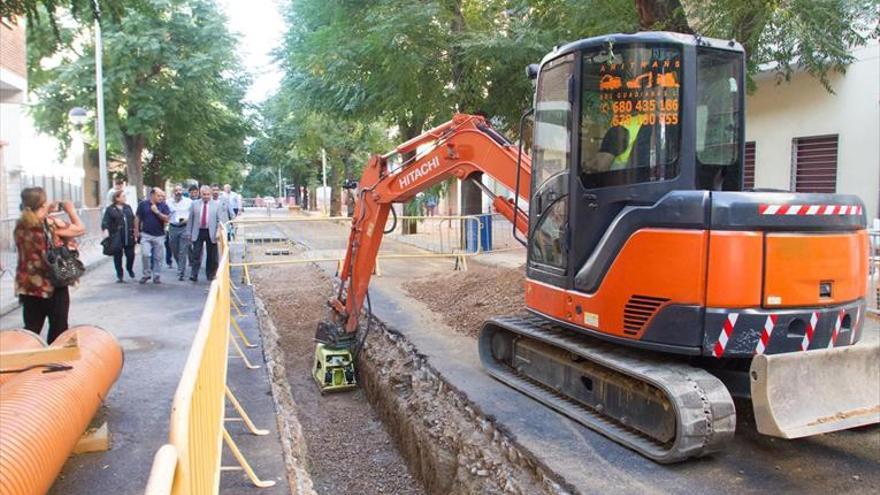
463,146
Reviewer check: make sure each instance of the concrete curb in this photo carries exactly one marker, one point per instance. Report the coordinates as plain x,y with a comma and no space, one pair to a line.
292,440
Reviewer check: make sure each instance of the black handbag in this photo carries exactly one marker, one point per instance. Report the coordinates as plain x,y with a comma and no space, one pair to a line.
64,265
112,244
107,246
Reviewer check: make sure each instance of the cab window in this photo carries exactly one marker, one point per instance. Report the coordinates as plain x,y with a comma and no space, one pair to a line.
550,164
630,115
719,86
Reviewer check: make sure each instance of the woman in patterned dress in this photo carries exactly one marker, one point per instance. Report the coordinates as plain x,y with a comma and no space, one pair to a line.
39,298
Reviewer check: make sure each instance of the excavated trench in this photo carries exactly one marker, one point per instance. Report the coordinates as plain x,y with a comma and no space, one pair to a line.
405,430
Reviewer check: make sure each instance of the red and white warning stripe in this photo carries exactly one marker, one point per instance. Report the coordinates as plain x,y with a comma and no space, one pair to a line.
810,210
808,336
855,326
836,331
726,333
764,341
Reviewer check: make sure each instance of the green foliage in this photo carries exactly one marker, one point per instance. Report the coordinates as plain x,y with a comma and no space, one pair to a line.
44,11
290,140
172,82
415,63
795,34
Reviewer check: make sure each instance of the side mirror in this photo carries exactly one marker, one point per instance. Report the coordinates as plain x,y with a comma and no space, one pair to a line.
532,71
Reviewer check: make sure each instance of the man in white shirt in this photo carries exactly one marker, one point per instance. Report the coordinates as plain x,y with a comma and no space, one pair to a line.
233,198
179,238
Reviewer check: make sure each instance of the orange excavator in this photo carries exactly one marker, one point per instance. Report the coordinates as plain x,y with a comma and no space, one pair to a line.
657,287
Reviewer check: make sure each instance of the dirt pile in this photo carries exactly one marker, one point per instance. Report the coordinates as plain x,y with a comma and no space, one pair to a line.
348,449
449,445
466,299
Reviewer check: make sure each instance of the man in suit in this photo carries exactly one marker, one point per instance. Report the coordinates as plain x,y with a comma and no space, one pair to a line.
204,221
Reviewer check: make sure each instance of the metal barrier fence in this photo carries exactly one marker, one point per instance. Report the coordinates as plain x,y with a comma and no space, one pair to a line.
190,462
89,251
91,218
301,239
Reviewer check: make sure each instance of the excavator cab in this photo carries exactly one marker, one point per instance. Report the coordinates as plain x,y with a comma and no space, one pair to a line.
621,122
642,239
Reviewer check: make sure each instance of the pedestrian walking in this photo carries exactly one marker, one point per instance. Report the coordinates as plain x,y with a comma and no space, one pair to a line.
35,233
179,239
118,226
205,218
225,210
149,227
431,204
234,200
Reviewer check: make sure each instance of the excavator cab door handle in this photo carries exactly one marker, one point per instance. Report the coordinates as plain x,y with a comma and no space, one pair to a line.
591,199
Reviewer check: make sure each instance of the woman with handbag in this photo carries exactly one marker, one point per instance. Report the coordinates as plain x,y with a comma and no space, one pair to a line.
46,266
118,227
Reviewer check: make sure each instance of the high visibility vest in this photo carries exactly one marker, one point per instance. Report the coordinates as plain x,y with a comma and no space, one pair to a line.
621,161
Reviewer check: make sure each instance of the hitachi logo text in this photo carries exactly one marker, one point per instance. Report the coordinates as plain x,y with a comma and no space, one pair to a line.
418,172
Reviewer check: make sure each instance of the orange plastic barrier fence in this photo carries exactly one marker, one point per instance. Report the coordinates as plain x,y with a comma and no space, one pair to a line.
16,339
43,415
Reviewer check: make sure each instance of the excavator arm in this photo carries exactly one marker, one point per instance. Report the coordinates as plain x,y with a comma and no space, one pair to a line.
465,145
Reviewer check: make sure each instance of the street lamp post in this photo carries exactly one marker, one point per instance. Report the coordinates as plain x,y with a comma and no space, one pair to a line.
103,185
77,117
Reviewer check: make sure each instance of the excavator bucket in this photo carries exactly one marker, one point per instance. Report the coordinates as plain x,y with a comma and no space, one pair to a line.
800,394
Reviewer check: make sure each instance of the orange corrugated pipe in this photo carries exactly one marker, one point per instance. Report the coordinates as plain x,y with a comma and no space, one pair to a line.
43,415
16,339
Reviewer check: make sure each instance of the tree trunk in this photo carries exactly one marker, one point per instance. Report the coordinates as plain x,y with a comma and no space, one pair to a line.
153,171
334,181
665,15
134,165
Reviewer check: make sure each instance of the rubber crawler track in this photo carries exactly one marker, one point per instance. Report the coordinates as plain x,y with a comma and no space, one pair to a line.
705,414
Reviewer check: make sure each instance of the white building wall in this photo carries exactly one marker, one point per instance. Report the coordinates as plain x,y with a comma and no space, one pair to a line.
778,113
10,134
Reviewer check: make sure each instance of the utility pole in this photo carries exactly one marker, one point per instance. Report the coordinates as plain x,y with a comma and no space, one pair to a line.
279,184
324,166
324,193
103,185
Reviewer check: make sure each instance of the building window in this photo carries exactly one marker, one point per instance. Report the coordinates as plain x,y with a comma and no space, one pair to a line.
815,164
749,172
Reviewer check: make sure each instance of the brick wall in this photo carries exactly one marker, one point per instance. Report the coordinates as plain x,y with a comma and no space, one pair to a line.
12,47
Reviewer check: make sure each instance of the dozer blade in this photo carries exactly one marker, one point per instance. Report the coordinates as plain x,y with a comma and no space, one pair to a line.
662,408
800,394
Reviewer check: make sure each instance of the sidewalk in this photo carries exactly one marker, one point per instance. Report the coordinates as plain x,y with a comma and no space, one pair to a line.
155,325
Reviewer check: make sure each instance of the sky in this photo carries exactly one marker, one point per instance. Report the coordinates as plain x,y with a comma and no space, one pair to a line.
261,29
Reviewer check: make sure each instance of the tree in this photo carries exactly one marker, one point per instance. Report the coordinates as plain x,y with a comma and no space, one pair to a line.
415,64
43,11
292,136
814,36
173,88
